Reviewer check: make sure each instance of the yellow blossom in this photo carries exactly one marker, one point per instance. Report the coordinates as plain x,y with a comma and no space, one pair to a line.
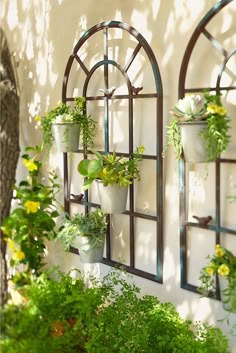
38,118
223,270
209,271
31,206
18,255
30,164
219,252
212,108
221,111
141,149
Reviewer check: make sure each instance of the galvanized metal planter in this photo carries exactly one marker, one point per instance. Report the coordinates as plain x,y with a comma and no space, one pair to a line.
66,136
88,252
194,146
113,198
229,304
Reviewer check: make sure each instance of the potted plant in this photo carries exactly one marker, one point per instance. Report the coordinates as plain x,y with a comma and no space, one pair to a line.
113,175
223,264
32,220
64,124
87,232
199,129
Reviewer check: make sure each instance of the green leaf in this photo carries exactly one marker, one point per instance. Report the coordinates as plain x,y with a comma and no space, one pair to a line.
94,168
99,157
83,167
87,183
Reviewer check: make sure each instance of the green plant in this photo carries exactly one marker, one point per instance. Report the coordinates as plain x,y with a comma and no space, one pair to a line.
54,317
62,314
33,219
111,169
92,225
207,108
64,113
223,264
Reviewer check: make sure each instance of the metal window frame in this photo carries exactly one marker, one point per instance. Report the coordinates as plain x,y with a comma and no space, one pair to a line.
182,90
141,43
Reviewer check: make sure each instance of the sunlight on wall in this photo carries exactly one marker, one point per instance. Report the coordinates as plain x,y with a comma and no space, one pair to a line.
12,15
42,35
188,12
141,17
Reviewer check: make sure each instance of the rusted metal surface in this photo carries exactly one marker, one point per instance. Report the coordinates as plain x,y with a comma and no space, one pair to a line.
134,93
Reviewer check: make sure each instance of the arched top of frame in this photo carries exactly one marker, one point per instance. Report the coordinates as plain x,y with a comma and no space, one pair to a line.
104,26
201,29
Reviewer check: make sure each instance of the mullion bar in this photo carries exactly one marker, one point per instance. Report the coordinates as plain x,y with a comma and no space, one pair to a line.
132,57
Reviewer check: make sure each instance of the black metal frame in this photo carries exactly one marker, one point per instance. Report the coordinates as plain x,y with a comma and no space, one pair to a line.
131,96
184,224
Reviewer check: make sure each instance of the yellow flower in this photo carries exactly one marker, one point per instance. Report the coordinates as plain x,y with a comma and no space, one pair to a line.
141,149
30,164
221,111
219,252
209,271
223,270
38,118
212,108
31,206
18,255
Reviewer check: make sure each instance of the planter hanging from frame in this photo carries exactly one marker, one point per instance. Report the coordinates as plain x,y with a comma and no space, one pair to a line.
194,146
113,198
89,252
228,302
66,136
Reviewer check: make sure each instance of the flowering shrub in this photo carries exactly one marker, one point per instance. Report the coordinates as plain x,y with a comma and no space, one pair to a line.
198,107
32,220
222,263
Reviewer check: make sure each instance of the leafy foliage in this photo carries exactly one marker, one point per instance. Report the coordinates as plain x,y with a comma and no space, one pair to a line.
221,263
92,225
64,113
33,219
111,169
207,108
63,315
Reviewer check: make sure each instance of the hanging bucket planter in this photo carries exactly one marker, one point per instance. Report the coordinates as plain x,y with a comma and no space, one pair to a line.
88,251
113,198
228,302
66,136
194,146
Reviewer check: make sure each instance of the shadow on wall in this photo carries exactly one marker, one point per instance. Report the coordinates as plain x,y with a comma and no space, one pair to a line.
43,35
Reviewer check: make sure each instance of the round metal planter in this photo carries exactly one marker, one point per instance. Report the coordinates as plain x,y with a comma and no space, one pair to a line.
88,252
194,146
66,136
228,303
113,198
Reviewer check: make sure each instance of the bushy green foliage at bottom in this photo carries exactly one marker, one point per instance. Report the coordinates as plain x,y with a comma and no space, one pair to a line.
63,315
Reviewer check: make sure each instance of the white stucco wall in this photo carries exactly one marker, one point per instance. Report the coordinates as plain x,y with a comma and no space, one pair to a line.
42,34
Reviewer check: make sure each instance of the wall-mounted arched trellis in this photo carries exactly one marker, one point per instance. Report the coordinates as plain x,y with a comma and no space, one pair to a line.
220,53
114,54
